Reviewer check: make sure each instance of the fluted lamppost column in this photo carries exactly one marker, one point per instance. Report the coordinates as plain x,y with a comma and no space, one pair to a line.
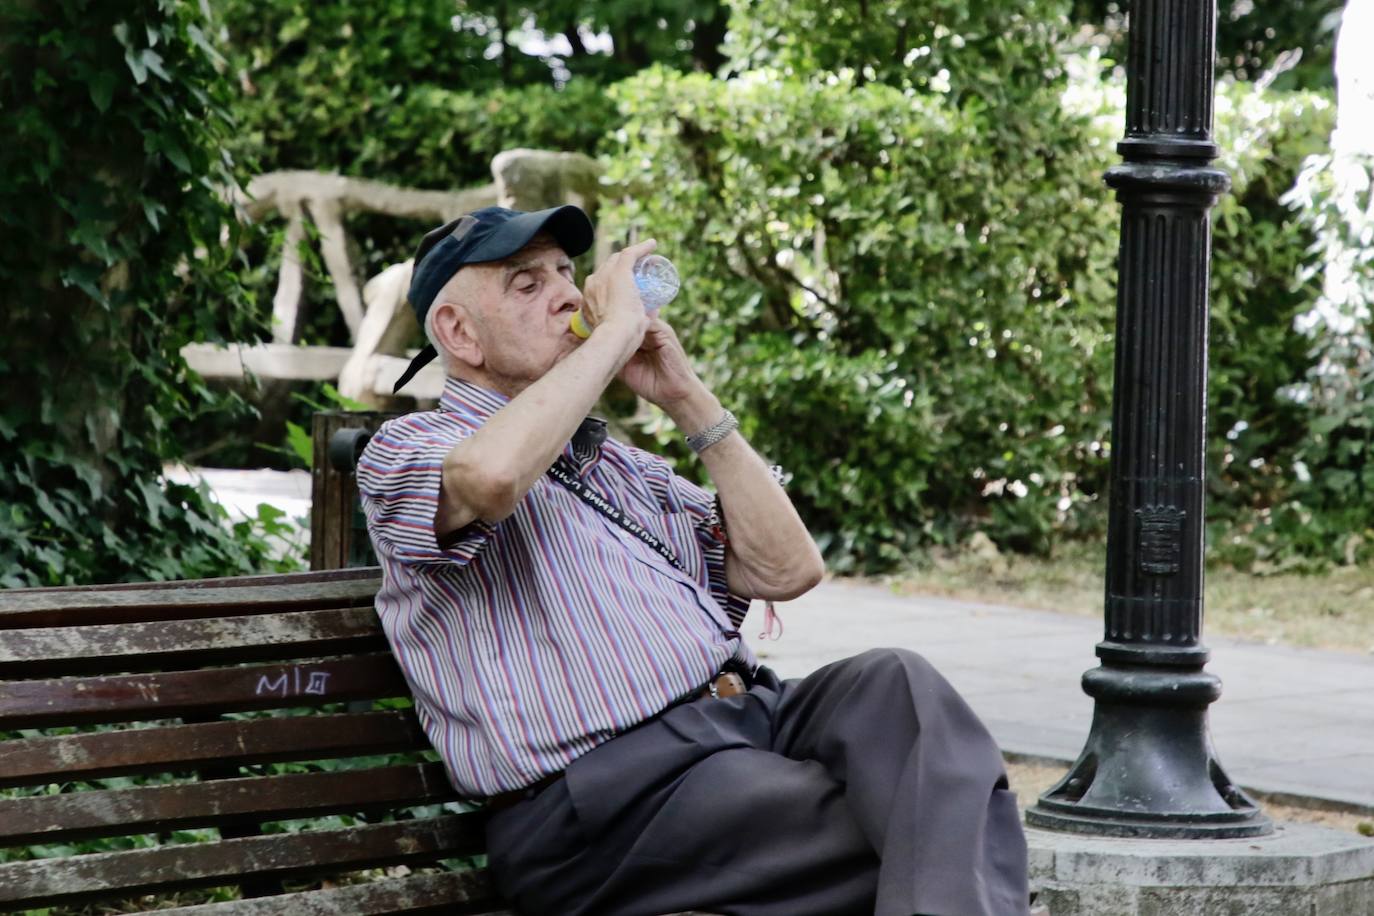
1148,768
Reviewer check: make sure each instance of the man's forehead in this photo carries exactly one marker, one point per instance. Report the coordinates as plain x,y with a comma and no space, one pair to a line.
541,245
536,252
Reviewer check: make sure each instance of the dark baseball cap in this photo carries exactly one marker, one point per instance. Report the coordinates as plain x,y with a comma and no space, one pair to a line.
489,234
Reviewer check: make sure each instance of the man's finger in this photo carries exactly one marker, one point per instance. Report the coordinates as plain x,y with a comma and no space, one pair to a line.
637,250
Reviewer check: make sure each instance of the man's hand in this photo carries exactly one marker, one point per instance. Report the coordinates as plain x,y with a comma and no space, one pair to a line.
770,554
610,296
660,371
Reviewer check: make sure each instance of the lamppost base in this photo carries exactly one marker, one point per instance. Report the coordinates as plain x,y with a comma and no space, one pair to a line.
1177,827
1148,769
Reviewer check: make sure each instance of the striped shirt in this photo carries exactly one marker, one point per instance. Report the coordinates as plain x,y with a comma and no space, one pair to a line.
529,642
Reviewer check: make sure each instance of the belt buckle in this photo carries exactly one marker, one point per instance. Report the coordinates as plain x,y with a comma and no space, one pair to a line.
727,684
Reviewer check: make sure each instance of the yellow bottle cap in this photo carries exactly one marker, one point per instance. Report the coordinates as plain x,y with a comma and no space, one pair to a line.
579,327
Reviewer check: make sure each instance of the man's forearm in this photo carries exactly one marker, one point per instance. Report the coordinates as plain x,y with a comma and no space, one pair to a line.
487,474
771,554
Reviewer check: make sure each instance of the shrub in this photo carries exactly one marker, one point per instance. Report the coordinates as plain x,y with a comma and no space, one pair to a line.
1325,510
864,268
116,248
1265,276
909,297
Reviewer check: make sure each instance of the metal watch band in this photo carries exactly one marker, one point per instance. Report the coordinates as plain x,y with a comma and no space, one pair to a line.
709,436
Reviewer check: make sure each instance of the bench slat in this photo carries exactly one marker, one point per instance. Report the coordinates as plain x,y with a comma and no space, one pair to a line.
37,761
142,646
21,608
115,875
418,894
164,695
254,799
273,579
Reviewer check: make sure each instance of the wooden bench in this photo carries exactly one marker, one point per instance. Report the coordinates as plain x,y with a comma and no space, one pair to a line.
191,727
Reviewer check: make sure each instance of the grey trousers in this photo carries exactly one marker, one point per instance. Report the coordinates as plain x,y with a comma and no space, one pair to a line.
867,787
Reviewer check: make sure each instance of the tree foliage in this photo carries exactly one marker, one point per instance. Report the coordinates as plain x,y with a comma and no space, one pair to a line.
1295,40
425,92
116,247
895,241
889,215
979,54
920,276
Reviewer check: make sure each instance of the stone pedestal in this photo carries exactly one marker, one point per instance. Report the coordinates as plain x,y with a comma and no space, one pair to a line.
1298,869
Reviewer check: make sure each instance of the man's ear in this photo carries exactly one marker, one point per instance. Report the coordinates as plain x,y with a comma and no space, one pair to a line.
455,330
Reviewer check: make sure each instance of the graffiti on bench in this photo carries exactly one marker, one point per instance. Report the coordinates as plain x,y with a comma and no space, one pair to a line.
289,682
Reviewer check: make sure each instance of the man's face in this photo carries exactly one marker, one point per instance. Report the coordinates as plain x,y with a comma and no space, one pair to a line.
520,309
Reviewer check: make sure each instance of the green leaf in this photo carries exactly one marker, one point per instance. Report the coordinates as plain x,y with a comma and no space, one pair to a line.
136,66
102,87
152,211
153,61
299,441
50,509
343,401
174,152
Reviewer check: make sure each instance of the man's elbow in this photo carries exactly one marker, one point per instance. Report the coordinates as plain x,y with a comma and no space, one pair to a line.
798,578
811,573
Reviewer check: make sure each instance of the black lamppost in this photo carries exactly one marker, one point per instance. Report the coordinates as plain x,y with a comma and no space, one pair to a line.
1148,768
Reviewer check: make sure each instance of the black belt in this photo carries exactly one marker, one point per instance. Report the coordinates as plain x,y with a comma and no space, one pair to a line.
731,682
507,799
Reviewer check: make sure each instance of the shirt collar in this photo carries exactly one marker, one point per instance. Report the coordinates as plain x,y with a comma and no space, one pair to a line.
474,401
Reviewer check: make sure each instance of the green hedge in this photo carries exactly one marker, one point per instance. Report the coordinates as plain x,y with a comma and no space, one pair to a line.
905,314
909,297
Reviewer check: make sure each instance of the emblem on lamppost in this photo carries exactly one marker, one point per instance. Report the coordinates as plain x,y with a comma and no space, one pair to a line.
1159,531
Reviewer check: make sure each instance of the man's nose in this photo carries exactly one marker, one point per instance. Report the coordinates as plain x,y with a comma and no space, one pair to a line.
567,293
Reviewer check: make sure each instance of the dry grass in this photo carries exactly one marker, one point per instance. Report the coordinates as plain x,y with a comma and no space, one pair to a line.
1030,779
1331,611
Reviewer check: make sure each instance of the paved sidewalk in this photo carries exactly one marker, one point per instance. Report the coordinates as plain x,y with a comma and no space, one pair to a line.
1297,721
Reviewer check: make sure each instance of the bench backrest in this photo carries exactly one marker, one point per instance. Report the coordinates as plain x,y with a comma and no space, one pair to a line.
167,739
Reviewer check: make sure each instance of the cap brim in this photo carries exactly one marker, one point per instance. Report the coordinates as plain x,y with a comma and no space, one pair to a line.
569,226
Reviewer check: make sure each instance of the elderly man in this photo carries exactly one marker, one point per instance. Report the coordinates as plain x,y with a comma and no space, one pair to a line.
567,611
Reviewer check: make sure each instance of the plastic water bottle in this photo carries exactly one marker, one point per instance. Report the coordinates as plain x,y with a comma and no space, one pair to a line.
658,284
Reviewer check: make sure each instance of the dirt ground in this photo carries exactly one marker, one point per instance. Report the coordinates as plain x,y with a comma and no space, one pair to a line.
1030,779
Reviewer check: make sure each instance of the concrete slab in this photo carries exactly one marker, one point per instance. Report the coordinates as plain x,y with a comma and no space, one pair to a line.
1301,868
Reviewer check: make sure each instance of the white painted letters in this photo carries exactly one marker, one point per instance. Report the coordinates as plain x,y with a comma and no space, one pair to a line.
288,683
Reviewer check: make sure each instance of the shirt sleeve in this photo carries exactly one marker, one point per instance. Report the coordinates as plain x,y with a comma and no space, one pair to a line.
399,475
678,494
